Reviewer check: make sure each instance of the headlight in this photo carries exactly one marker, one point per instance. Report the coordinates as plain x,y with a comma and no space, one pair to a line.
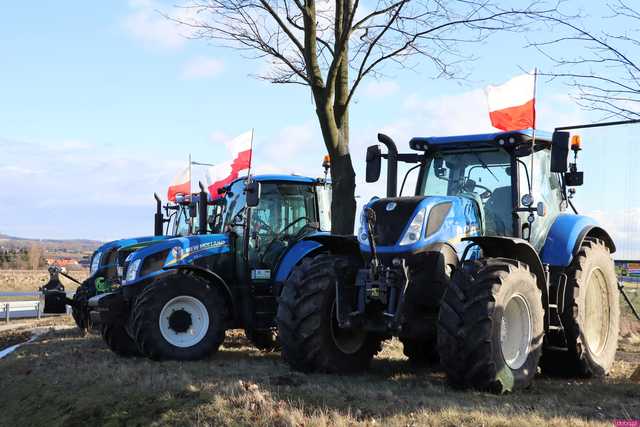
132,270
414,231
95,262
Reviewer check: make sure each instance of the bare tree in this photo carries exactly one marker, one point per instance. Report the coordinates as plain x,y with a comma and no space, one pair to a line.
331,46
604,68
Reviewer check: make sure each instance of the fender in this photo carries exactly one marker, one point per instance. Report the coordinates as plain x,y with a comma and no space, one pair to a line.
520,250
208,275
312,244
567,234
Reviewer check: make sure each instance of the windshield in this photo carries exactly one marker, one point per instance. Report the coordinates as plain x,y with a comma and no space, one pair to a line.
481,175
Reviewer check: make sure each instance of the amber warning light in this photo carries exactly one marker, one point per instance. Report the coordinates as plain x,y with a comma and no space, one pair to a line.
576,143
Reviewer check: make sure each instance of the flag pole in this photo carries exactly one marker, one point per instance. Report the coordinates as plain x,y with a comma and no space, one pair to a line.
250,155
533,134
189,174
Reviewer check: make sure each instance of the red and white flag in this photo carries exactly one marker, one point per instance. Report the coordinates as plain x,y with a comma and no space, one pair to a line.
512,105
181,184
225,173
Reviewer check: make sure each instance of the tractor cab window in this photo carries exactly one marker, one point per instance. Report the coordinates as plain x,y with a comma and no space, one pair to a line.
182,225
481,175
546,187
285,213
234,204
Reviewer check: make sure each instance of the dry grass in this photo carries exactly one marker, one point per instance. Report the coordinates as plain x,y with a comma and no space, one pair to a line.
66,379
31,280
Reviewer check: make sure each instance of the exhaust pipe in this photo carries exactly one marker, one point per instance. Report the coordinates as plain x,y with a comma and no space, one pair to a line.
158,219
392,164
203,203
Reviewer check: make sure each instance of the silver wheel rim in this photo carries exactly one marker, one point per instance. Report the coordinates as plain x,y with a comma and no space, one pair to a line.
186,333
348,341
515,332
597,312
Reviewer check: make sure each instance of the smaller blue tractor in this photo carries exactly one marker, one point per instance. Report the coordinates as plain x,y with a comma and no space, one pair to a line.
179,218
486,268
177,298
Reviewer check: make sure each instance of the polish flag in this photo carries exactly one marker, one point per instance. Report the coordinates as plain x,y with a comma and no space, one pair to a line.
181,184
512,105
225,173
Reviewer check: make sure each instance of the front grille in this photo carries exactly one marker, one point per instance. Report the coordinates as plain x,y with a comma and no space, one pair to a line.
390,223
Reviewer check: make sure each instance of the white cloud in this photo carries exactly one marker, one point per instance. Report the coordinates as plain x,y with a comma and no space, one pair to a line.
381,88
624,228
202,67
147,24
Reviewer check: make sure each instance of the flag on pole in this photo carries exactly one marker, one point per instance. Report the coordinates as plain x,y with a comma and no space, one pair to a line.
512,105
225,173
181,184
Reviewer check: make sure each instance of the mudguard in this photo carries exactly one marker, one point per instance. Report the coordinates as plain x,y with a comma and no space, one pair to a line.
566,236
314,243
209,276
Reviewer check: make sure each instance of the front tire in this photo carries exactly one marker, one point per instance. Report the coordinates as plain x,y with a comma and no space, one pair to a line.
179,317
117,339
591,316
80,308
307,325
491,326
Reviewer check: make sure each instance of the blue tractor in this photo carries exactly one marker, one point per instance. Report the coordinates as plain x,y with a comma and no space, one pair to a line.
487,268
181,218
177,297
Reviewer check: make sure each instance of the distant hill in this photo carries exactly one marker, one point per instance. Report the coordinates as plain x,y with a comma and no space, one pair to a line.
70,246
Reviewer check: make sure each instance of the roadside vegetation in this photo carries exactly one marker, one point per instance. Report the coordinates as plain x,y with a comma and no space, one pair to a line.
68,379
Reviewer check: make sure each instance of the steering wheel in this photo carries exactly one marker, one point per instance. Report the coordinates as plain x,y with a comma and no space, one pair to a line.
278,236
486,193
262,224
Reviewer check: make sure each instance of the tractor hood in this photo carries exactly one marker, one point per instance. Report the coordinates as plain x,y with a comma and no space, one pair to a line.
104,258
413,224
151,260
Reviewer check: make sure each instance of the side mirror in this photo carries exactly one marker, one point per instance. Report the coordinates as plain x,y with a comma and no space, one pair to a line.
374,163
574,178
559,151
253,194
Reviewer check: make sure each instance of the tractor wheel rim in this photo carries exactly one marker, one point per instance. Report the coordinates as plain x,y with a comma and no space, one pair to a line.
515,332
184,321
597,312
348,341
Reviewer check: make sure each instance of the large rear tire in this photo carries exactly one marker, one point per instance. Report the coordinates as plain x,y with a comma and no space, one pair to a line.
420,352
179,317
307,325
491,326
591,316
117,339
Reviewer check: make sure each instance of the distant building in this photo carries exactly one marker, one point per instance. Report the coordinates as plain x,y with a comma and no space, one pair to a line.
628,271
62,262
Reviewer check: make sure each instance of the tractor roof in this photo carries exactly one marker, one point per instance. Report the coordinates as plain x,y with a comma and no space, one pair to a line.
511,138
285,178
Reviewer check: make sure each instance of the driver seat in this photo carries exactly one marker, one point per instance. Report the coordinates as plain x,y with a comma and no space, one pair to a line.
499,212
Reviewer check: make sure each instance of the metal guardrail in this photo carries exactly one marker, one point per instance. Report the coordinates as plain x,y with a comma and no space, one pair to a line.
21,309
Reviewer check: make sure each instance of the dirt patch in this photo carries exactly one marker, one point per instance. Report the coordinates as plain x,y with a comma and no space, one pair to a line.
11,338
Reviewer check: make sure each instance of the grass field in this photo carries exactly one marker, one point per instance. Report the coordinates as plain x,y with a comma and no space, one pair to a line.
69,380
31,280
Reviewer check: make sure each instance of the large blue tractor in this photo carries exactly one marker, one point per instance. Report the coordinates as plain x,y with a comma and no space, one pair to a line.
487,267
177,297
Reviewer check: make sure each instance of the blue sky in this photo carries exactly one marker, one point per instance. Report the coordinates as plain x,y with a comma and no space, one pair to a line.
101,103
